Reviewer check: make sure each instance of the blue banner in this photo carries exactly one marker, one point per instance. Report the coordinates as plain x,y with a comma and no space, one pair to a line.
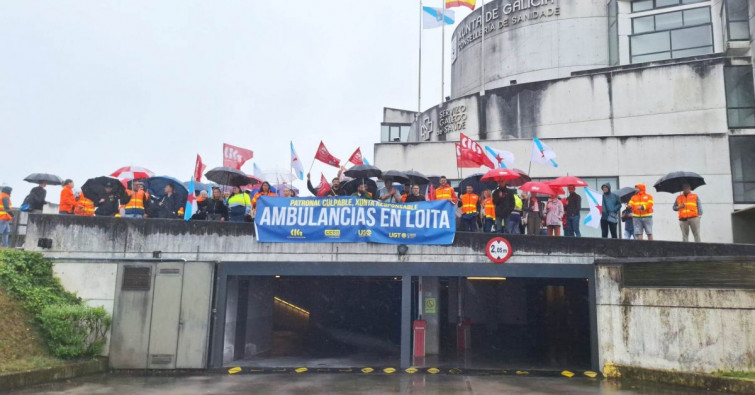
352,220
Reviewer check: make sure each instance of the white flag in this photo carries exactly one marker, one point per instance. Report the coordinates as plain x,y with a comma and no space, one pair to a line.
595,199
433,17
296,165
542,154
258,173
502,159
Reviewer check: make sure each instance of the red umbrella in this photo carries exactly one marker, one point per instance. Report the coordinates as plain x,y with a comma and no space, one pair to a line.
537,187
500,175
523,178
133,173
558,190
566,181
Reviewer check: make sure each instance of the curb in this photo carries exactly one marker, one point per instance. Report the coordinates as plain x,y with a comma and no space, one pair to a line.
697,380
27,378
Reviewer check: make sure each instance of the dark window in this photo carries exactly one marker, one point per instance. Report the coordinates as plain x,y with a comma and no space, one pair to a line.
737,25
740,96
671,35
644,5
394,132
742,152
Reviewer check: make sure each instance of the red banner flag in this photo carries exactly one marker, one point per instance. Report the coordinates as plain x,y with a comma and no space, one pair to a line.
324,156
324,187
475,152
465,157
199,168
356,157
235,156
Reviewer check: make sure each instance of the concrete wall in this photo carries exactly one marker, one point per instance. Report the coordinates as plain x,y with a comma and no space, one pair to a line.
632,159
683,329
548,47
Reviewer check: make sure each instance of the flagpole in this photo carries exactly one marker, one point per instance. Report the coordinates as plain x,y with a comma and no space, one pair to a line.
419,69
443,55
482,53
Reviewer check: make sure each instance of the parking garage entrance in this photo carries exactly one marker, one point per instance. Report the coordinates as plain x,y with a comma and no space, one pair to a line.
339,315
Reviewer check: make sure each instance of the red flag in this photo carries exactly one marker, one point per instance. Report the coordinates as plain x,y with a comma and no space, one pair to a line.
324,156
324,187
235,156
356,157
199,169
475,152
465,157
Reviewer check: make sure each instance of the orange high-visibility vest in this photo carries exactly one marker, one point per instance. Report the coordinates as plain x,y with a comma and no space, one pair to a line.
489,208
469,203
137,200
690,209
638,201
445,192
257,196
85,207
5,211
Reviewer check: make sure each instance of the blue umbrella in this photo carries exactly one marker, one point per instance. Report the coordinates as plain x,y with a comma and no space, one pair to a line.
156,187
198,186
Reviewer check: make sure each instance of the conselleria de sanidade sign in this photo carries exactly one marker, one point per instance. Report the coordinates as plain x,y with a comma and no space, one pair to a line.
502,15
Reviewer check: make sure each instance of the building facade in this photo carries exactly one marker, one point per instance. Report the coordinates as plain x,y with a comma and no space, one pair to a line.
623,91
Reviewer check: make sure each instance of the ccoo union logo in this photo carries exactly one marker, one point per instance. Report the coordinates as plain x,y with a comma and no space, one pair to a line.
332,233
296,233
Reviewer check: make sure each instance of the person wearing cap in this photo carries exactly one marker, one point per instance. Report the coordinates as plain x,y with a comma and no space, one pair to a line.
139,197
6,215
690,210
108,205
67,198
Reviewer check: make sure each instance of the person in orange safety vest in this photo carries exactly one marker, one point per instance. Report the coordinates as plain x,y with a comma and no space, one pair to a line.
6,215
690,210
488,212
642,212
470,208
84,206
139,198
67,198
445,191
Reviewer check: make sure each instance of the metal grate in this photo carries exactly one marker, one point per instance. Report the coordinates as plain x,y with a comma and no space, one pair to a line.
136,278
161,359
170,271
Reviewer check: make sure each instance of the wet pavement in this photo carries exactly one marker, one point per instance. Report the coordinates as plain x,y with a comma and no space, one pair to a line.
348,384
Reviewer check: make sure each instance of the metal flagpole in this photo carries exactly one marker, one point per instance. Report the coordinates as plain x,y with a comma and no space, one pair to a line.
443,55
482,53
419,69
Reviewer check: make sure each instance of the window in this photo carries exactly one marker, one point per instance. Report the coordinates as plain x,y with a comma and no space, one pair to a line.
645,5
737,25
742,152
671,35
740,96
394,132
613,33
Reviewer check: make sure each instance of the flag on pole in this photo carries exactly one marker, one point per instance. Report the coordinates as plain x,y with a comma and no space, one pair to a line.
593,218
199,168
258,173
542,154
434,17
235,156
474,152
464,158
296,163
191,202
324,187
503,159
365,161
356,157
461,3
324,156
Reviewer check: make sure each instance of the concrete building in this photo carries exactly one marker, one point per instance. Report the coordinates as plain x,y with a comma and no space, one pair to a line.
623,91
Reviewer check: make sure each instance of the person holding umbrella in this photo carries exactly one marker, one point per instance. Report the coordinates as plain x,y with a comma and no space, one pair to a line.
108,205
362,192
67,198
6,215
37,198
642,212
690,210
169,205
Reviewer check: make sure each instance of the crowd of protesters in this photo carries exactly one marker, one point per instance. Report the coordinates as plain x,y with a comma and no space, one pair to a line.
502,210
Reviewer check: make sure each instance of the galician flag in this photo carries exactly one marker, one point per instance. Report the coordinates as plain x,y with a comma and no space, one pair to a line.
258,173
191,202
593,219
503,159
542,154
365,161
434,17
296,163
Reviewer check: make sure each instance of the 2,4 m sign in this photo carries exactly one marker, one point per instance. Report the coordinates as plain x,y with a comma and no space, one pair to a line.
499,250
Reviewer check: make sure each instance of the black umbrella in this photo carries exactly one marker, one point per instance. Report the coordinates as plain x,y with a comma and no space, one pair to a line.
434,180
672,182
363,171
625,194
417,178
156,187
351,186
230,176
94,189
477,185
37,178
396,176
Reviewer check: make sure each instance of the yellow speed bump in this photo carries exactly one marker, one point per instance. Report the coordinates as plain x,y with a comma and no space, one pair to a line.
522,373
591,374
389,370
300,370
455,371
411,370
367,370
433,370
345,370
567,373
234,370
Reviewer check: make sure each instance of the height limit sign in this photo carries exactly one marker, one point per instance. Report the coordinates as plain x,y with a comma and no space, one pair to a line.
499,250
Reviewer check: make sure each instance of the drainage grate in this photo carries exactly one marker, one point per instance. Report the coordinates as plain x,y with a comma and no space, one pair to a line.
136,278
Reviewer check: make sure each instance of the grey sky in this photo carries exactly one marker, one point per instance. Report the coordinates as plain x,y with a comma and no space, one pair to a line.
89,86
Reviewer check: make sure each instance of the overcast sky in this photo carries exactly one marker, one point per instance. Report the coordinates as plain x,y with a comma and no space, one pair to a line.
90,86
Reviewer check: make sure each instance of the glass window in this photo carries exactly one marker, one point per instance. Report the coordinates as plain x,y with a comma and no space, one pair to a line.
642,5
649,43
736,20
742,154
740,96
665,3
691,37
384,131
643,25
652,57
696,16
691,52
671,20
669,38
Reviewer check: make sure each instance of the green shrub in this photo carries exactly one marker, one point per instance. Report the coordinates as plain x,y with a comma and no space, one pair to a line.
74,331
70,328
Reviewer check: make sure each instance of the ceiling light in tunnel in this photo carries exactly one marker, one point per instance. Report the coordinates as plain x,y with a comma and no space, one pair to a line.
293,306
277,276
487,278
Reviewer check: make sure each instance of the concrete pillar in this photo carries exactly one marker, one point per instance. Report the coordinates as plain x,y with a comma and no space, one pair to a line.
431,297
231,307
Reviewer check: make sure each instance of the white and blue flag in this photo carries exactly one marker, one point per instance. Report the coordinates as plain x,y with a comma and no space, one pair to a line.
543,154
502,159
296,165
433,17
594,199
